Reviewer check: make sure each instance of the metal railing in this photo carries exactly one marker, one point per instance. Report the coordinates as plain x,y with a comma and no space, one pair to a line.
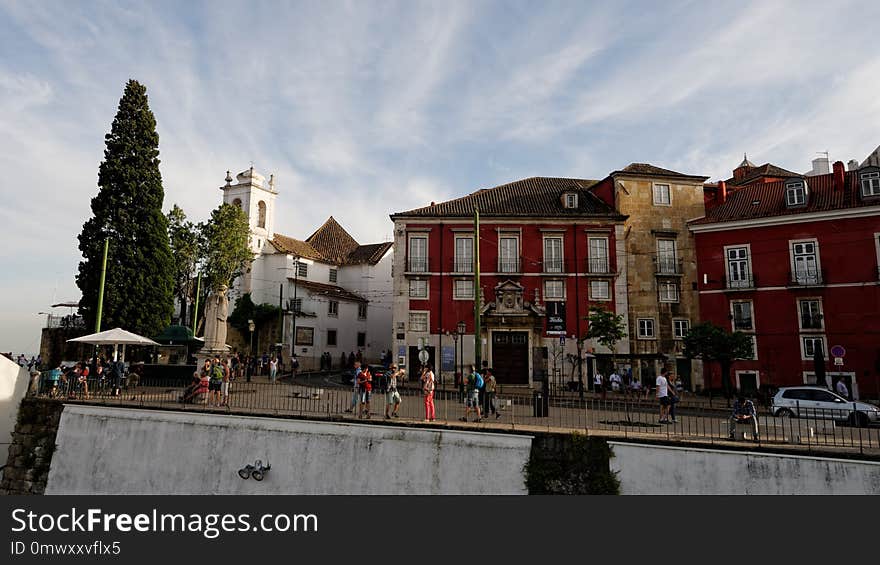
742,282
509,265
616,414
417,265
553,266
69,321
668,265
463,265
598,266
807,277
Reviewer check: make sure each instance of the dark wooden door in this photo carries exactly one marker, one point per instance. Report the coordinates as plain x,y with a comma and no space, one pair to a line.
510,357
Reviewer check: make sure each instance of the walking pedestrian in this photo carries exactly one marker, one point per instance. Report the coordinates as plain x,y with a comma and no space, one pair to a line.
472,401
428,390
354,387
365,388
392,396
599,384
491,384
673,396
273,369
225,384
662,394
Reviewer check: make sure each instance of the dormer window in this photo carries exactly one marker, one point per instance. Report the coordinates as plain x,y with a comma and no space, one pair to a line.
570,200
796,193
870,181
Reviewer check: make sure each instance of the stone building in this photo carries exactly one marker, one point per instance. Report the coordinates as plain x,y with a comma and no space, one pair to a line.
661,274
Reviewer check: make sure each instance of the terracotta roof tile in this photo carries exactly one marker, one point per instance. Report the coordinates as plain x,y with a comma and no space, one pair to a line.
368,254
328,290
764,200
332,244
293,246
535,196
332,241
765,170
646,169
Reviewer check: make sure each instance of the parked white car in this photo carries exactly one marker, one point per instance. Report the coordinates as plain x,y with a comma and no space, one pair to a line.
821,403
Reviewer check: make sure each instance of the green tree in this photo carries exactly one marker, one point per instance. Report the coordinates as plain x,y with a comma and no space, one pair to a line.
138,293
709,342
245,310
224,247
183,236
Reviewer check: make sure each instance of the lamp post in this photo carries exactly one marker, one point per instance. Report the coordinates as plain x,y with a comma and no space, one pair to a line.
461,329
251,328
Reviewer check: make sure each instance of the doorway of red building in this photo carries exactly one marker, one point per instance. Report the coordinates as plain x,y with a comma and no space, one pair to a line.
510,357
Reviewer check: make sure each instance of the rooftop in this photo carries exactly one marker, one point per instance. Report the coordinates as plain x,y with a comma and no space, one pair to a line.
330,243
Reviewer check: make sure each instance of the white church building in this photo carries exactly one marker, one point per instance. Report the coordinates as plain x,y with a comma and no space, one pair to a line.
336,293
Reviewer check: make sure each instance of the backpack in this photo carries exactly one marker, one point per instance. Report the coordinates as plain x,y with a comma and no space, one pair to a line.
217,373
478,381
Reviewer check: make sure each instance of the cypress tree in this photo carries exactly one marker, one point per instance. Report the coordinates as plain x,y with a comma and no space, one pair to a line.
138,292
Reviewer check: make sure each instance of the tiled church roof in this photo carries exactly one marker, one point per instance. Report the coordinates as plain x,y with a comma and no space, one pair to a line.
332,244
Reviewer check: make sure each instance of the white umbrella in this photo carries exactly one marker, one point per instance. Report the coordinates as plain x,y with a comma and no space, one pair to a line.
114,337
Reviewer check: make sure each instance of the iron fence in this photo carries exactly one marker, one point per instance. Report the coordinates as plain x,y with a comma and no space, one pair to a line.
616,415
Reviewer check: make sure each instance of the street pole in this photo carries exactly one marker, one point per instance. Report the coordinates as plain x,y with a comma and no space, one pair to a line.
280,320
196,309
478,354
101,286
295,312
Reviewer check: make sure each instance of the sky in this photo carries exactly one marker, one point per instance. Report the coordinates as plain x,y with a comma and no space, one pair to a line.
362,108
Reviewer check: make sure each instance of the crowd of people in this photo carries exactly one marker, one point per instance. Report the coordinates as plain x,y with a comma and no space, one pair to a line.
211,384
96,375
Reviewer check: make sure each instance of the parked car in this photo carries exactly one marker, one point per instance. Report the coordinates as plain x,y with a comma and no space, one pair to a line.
378,371
821,403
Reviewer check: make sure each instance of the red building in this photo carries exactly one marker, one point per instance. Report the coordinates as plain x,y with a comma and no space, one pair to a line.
548,249
794,263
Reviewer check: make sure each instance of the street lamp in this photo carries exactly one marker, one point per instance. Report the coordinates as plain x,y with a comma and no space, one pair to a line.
251,327
461,329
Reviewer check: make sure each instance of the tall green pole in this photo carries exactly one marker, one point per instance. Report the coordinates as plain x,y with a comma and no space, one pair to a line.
478,343
101,287
196,309
280,318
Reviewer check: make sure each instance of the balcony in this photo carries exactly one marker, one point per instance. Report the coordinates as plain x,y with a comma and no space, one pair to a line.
742,282
599,266
668,266
509,265
417,265
464,265
806,278
552,266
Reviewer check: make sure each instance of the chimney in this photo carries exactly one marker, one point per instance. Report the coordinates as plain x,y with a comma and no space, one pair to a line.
838,176
722,191
852,165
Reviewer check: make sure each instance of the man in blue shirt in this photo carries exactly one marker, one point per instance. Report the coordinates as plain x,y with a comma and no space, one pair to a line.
743,413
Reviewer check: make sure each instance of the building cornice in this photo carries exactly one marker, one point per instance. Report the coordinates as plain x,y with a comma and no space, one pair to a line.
860,212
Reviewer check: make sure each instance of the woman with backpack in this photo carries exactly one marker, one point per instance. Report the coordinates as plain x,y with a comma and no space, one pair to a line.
474,384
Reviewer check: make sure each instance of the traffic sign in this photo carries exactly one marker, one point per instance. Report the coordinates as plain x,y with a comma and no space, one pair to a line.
838,351
562,340
838,361
423,356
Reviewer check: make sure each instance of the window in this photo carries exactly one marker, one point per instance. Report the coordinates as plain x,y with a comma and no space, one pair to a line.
805,262
508,254
296,305
331,338
463,289
237,202
362,311
261,218
870,183
662,195
742,316
334,275
680,328
464,255
666,257
361,339
333,308
598,254
795,193
811,344
552,254
810,311
600,290
418,254
554,290
646,328
668,291
418,321
418,288
302,269
571,200
739,273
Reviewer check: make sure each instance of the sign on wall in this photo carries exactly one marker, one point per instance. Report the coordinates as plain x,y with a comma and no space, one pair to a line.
447,358
555,318
305,336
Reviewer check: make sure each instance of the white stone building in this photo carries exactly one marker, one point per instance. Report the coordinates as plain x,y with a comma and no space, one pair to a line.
339,290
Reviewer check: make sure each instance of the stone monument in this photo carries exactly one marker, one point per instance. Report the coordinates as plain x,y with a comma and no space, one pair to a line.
216,311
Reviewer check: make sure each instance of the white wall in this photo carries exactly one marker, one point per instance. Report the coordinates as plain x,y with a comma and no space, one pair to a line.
13,387
105,450
656,469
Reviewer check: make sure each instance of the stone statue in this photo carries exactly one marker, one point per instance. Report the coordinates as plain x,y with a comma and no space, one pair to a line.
216,311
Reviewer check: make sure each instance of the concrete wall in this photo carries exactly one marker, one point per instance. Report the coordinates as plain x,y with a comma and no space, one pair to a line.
111,450
655,469
13,386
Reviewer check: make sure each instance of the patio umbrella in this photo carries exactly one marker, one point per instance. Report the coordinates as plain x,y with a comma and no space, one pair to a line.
114,337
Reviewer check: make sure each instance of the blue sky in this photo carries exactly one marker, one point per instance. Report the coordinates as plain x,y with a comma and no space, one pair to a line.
366,108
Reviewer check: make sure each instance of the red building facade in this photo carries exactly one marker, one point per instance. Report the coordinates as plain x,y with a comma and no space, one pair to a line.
795,264
548,250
